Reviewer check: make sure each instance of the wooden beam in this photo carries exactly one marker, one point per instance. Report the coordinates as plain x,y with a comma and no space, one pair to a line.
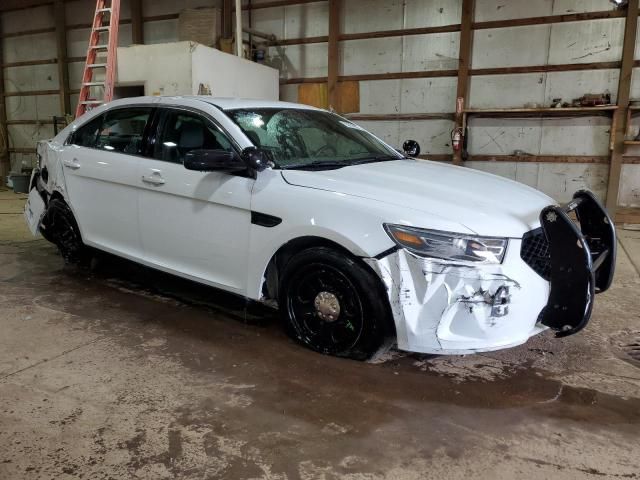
227,18
35,31
620,119
28,93
571,17
597,159
300,80
403,117
565,67
76,59
403,32
516,22
374,77
435,157
300,41
398,75
23,150
627,215
22,4
464,65
5,163
333,65
560,67
566,112
28,63
137,23
30,122
61,47
127,21
278,3
583,159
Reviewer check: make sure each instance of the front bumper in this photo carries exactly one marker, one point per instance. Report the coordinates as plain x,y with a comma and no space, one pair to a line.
446,307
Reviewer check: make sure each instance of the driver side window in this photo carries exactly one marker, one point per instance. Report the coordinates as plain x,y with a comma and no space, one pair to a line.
186,131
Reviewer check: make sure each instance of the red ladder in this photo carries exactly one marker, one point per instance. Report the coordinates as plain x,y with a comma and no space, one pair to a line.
105,24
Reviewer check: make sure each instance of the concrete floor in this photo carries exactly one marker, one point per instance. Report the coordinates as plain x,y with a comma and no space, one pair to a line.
125,373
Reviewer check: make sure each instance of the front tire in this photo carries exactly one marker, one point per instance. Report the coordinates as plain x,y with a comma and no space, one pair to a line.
333,304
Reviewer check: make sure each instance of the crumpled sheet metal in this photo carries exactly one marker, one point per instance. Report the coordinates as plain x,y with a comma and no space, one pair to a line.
445,307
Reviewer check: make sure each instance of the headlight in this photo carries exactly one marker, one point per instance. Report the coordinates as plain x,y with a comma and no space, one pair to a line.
448,246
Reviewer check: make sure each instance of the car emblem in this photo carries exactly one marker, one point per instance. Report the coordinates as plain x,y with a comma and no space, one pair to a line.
552,217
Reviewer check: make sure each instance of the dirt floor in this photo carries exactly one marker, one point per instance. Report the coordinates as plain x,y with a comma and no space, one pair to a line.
120,372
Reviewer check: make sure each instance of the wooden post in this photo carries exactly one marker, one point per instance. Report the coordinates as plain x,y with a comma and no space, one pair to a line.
227,11
333,60
5,163
61,46
619,125
137,25
464,64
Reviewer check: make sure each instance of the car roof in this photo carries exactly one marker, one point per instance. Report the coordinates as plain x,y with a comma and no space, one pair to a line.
224,103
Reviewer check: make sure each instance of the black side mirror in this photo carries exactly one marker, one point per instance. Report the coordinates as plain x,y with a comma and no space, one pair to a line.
256,158
411,148
213,161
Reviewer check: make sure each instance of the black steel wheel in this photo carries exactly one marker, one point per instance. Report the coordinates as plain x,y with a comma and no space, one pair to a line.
333,304
62,230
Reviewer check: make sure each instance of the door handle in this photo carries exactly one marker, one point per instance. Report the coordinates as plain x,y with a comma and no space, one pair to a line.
153,180
72,164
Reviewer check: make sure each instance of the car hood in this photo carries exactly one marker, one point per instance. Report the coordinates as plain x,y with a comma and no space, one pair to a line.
483,203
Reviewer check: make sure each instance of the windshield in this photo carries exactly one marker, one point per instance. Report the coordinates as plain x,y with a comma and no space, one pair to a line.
300,138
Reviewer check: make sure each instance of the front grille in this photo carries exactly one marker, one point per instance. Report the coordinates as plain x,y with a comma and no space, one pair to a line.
535,252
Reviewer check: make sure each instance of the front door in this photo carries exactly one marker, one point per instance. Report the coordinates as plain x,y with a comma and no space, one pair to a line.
195,224
101,171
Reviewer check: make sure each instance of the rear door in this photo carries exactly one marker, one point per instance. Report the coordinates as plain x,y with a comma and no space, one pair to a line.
192,223
102,177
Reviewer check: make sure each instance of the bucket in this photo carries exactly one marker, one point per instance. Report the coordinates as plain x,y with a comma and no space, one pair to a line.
20,182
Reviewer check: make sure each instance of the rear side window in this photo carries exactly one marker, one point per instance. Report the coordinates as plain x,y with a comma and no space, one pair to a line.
87,135
123,130
186,131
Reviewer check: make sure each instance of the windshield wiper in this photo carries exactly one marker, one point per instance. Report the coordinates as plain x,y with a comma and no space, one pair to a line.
377,158
332,164
327,164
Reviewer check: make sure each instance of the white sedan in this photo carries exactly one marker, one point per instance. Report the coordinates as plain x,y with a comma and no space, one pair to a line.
302,209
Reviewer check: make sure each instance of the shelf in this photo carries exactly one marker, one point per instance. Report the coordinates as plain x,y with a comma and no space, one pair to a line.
542,112
632,142
599,159
398,116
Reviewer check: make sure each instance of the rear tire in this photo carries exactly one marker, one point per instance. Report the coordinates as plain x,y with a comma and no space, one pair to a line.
62,229
333,304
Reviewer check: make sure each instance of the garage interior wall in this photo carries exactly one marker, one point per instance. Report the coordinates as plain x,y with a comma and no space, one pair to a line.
515,62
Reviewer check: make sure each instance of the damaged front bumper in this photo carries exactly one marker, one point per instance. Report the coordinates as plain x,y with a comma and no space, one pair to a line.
547,280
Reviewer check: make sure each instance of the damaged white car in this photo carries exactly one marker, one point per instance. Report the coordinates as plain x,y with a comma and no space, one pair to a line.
302,209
